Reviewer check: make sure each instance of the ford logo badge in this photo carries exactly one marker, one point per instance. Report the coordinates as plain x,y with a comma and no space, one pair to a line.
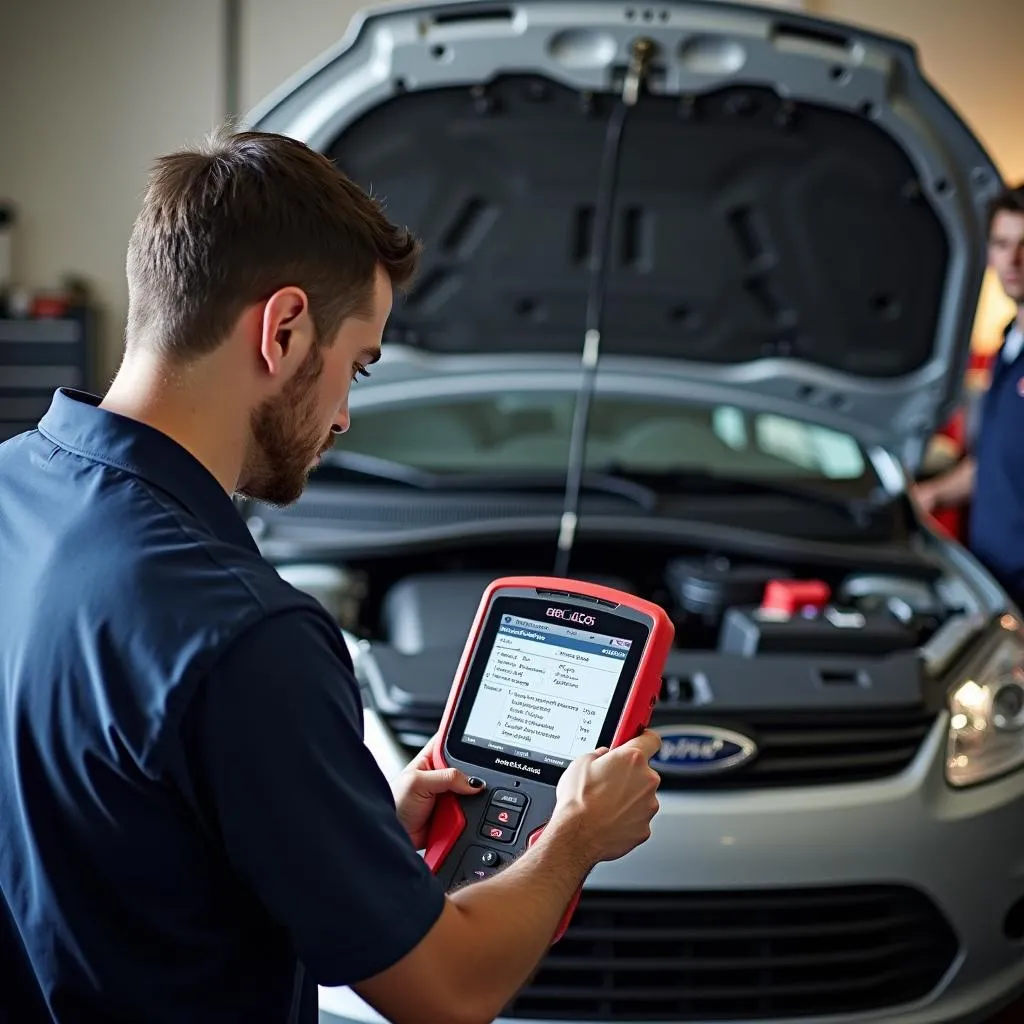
701,750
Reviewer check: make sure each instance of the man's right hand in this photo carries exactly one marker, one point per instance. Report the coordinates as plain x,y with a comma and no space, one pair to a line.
606,800
491,935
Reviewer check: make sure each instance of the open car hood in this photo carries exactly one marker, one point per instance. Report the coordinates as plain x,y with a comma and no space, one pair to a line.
800,218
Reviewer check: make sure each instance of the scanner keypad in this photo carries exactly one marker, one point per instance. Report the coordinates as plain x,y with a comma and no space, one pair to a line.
503,816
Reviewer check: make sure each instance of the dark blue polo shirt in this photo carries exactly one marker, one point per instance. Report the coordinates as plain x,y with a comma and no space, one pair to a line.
187,809
996,534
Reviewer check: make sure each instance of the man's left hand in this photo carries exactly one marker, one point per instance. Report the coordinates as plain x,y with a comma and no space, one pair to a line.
418,787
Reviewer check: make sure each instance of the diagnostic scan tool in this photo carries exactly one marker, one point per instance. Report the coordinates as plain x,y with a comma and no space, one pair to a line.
552,669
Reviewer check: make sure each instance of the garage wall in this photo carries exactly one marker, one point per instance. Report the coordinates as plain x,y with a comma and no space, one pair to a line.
90,92
93,91
279,38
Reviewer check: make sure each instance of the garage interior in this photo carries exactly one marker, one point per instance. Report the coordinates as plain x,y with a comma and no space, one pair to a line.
95,91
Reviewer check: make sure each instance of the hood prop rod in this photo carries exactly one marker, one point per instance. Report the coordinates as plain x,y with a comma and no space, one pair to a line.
641,51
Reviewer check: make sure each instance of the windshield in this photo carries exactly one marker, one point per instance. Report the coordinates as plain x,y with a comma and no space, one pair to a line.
528,432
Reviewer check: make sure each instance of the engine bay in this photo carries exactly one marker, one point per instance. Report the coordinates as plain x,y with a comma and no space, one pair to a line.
719,603
822,664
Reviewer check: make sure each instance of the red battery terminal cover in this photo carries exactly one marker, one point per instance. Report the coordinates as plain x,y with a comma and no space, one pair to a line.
790,597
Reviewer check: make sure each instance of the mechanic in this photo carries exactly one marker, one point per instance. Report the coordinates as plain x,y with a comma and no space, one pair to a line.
991,477
192,829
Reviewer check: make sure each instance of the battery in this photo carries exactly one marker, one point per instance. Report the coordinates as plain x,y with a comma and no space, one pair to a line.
750,631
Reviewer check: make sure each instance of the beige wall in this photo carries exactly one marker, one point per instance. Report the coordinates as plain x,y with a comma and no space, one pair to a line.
90,92
280,37
93,90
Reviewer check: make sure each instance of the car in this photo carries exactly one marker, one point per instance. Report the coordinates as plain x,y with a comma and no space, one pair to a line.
749,244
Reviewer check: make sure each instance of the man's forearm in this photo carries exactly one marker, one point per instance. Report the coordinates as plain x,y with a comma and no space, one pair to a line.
957,485
491,935
488,941
509,920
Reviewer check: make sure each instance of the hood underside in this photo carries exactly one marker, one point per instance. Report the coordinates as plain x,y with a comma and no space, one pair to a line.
798,214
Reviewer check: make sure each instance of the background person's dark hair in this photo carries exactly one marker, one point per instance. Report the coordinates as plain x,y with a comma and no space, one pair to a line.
1011,200
229,223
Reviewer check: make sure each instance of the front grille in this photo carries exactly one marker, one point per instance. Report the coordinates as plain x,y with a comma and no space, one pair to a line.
811,748
795,748
680,956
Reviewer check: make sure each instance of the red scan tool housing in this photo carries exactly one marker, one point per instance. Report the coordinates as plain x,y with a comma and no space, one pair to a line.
580,605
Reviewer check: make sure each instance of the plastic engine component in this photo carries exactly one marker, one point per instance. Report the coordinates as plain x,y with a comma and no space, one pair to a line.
903,597
707,587
340,591
752,631
434,610
429,611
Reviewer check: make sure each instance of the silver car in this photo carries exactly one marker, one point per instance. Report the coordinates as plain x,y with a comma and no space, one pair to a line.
759,238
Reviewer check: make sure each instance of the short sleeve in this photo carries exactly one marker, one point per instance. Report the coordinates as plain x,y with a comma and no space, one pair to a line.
307,818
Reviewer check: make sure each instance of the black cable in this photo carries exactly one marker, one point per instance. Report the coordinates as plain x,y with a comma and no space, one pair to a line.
600,258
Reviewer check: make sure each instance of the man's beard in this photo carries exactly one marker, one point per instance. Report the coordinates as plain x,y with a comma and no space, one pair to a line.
285,439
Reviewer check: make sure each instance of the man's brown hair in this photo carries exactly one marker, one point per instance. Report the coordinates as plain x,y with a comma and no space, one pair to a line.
1010,200
227,224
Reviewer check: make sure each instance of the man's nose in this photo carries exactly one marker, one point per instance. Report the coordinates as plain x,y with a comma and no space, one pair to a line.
341,422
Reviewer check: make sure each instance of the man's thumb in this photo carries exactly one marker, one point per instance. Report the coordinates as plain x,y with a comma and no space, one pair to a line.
448,780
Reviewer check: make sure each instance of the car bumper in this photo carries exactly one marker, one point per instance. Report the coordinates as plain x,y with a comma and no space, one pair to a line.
963,849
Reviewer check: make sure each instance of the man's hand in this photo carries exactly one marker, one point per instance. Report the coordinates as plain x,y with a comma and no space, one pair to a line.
947,491
608,799
926,496
491,935
417,788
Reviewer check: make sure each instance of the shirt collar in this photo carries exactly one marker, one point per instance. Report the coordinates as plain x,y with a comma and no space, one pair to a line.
76,423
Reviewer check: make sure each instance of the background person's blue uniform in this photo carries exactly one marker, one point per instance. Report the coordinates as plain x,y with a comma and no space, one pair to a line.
996,531
187,810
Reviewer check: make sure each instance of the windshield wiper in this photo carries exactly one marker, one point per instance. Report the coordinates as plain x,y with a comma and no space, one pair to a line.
860,509
375,468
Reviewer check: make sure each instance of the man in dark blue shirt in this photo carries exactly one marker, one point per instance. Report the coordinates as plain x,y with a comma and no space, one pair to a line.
991,477
191,828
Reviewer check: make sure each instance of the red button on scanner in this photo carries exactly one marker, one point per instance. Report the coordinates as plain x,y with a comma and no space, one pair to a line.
496,833
507,817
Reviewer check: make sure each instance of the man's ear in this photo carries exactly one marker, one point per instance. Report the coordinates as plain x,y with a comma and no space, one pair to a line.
286,332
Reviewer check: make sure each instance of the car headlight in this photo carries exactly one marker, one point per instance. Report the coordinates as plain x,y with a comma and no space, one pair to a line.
986,726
